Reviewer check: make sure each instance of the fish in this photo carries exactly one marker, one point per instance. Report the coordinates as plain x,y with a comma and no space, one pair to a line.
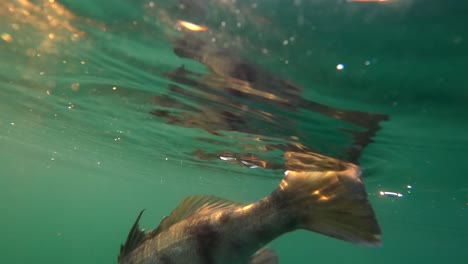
206,229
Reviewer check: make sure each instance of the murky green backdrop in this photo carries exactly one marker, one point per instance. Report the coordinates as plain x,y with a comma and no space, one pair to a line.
80,154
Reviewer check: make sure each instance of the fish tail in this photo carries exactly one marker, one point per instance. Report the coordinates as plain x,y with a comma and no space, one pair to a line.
333,203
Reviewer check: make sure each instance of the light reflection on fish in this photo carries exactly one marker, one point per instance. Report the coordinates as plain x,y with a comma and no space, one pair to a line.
210,230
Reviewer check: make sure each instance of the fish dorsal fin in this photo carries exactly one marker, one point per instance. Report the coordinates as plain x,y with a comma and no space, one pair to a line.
135,237
264,256
192,205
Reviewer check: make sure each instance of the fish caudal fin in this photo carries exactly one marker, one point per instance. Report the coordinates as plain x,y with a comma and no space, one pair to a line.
332,202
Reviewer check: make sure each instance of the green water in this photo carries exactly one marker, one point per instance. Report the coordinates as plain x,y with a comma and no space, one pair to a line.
79,158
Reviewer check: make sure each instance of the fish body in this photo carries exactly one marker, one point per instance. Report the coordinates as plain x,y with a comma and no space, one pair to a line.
227,235
211,230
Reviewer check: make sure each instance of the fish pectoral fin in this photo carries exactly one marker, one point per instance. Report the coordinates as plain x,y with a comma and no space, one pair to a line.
134,239
264,256
192,205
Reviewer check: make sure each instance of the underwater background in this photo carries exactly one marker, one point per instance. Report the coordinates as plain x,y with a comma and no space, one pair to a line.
82,150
